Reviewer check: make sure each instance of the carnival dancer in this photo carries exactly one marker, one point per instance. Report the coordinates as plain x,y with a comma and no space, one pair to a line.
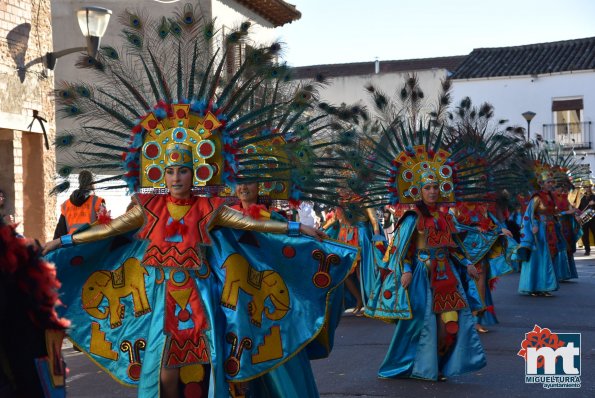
357,227
482,153
484,245
539,247
32,333
202,298
401,159
570,228
254,202
419,286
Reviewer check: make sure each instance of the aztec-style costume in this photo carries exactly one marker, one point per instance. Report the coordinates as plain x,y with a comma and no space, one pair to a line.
423,244
403,162
485,247
538,274
201,287
571,230
545,253
357,228
31,335
483,154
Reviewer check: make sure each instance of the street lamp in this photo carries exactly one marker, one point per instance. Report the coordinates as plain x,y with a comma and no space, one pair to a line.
93,23
528,117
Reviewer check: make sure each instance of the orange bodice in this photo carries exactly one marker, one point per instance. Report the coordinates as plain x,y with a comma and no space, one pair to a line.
191,217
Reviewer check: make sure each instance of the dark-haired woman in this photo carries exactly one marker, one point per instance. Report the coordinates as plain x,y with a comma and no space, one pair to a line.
435,335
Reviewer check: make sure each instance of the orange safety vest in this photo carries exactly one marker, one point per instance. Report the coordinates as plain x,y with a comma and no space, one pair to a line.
77,216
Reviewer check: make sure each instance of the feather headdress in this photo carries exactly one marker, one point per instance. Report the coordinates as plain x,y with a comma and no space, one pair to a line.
170,97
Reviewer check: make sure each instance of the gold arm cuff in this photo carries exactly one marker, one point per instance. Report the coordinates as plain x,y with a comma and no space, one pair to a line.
231,218
129,221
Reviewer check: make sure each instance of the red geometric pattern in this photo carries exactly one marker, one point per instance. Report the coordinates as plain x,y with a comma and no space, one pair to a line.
179,254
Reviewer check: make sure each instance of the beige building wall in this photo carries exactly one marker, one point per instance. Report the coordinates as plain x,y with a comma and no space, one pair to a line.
27,168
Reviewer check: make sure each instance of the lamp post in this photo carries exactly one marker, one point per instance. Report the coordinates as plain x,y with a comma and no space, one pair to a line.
528,117
93,23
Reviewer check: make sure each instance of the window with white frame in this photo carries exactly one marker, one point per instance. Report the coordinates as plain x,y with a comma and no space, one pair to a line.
568,115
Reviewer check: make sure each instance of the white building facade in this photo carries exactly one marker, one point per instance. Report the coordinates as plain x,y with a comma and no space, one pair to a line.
555,81
347,82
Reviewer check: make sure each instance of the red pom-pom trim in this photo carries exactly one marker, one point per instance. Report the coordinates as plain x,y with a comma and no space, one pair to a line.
175,228
104,216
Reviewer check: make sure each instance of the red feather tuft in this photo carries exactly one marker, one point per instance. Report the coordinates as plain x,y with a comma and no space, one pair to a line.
175,228
253,211
294,204
36,279
104,216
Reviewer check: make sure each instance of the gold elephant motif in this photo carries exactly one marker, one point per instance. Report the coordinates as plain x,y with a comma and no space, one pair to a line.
114,285
258,284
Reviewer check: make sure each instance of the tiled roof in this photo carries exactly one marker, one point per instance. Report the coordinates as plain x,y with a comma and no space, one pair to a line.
532,59
368,68
278,12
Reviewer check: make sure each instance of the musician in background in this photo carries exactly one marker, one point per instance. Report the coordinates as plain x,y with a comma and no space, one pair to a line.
588,202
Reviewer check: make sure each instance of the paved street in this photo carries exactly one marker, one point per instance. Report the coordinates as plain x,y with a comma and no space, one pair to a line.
360,345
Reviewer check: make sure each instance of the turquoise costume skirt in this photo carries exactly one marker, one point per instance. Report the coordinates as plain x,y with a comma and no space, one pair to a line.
413,351
538,274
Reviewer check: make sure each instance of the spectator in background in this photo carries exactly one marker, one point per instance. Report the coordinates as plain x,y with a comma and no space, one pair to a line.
83,207
8,218
306,214
588,202
388,223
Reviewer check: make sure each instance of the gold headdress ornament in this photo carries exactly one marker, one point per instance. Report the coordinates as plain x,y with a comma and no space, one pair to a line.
182,139
543,171
419,167
269,152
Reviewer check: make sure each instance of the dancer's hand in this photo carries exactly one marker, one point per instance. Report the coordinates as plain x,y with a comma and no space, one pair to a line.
535,230
472,271
506,232
313,232
406,279
51,246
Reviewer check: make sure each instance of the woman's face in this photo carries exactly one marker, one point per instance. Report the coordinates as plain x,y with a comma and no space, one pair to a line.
549,185
179,181
247,192
430,194
2,198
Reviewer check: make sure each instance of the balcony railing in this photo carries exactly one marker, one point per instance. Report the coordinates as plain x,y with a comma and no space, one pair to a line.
577,135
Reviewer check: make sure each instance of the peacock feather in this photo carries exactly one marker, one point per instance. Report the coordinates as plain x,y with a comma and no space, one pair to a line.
174,60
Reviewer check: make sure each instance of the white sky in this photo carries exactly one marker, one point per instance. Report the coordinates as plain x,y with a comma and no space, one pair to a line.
339,31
